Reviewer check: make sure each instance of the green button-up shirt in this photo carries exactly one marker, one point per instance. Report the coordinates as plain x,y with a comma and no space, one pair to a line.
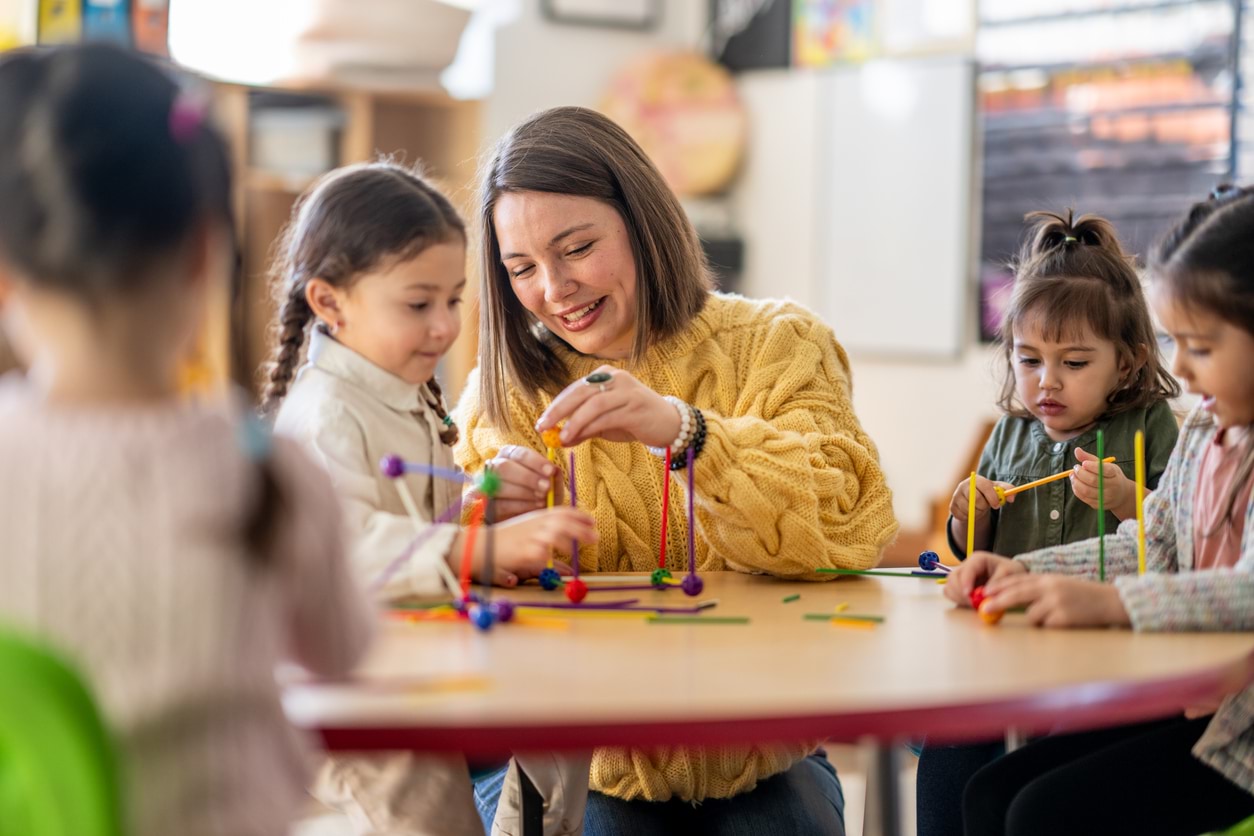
1020,451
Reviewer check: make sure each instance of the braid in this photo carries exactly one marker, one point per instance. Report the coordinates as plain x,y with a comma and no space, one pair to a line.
294,318
448,432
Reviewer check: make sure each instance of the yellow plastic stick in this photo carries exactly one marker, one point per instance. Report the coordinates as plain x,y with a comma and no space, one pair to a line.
971,518
1002,493
850,623
552,438
1139,449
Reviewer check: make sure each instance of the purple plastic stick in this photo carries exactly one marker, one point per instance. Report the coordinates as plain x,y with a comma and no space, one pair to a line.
612,605
489,557
692,548
574,541
620,607
670,610
615,588
441,472
424,536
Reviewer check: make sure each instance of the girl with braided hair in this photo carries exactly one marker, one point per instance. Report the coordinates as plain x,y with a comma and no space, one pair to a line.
371,272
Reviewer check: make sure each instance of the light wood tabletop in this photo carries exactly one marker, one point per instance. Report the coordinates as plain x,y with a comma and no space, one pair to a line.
928,668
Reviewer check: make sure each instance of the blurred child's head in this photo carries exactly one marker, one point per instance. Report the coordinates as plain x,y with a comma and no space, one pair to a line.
1203,293
1077,336
114,206
377,256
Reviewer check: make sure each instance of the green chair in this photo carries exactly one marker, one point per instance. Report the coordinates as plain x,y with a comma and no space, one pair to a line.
1245,828
59,771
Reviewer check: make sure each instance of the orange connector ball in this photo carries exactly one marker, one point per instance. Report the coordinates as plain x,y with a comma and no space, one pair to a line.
989,615
552,438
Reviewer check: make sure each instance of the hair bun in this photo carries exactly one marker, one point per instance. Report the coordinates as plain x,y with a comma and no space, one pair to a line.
1052,232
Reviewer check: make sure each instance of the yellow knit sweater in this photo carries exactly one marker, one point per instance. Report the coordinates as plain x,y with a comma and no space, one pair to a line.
787,482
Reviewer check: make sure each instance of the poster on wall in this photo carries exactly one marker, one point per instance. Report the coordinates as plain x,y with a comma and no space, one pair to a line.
826,32
1124,112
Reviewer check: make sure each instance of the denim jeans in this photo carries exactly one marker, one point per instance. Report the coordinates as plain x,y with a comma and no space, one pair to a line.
806,799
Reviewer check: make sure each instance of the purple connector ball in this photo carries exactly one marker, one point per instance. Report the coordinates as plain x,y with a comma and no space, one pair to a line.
692,585
481,617
549,579
393,467
503,610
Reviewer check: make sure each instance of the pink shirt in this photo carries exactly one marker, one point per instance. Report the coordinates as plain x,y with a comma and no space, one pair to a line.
121,547
1216,541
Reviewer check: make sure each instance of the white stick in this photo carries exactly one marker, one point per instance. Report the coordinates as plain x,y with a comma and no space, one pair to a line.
446,574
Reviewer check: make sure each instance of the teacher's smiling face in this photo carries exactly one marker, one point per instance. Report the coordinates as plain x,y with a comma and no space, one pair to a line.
570,263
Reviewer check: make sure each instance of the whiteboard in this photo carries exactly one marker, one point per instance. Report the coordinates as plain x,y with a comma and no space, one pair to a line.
894,220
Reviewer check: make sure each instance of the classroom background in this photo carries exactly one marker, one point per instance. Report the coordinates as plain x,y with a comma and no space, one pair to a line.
870,159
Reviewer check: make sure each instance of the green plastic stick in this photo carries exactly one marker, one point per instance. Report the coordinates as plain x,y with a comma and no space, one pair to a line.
697,619
828,616
1101,508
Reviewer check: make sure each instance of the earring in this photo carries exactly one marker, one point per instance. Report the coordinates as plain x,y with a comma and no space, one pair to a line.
335,328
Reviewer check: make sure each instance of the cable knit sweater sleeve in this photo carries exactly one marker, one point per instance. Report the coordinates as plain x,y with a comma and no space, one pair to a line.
789,480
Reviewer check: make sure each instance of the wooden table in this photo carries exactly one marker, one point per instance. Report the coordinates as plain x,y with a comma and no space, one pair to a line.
928,669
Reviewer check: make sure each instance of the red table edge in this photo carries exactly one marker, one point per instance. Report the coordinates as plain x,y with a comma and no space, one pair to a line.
1071,708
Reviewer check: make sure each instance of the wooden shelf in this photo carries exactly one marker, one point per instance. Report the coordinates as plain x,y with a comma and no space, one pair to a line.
273,181
414,126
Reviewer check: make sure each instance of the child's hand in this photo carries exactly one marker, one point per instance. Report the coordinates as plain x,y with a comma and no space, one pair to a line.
1119,490
525,478
525,544
1057,601
985,498
978,570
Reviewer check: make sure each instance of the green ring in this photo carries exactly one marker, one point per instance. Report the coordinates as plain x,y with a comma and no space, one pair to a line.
598,377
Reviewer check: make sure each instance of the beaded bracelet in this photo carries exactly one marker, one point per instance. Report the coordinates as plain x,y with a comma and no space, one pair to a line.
697,443
685,429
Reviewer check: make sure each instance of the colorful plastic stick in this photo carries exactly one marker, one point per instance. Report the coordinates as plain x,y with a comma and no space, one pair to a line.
1101,507
929,561
971,518
692,584
476,517
697,619
576,590
394,467
913,574
1139,451
552,441
489,547
1002,493
666,507
422,537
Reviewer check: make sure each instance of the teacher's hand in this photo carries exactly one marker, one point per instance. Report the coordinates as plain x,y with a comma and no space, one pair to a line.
525,479
611,404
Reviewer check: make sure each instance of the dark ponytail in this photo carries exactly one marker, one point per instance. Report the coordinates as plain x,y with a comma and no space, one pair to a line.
108,168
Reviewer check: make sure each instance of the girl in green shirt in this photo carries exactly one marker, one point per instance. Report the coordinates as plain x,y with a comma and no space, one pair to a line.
1080,355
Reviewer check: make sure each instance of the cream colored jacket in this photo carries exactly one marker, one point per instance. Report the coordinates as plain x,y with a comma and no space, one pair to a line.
349,414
